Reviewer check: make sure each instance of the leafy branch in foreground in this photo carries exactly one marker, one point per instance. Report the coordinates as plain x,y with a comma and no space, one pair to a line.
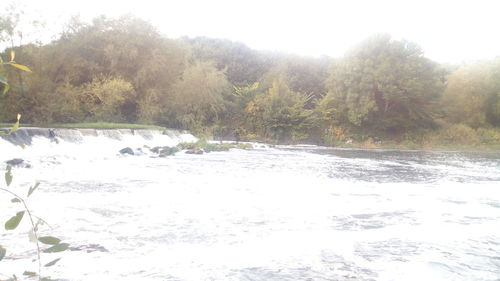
12,62
12,223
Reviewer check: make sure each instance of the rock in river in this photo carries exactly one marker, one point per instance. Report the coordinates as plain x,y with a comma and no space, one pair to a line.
167,151
127,150
18,162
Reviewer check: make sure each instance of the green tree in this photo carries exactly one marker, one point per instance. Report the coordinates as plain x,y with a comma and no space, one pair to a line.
302,74
384,85
280,113
472,95
235,115
103,97
242,65
126,47
198,97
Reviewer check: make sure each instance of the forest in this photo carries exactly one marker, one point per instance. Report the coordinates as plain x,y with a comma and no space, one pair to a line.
382,92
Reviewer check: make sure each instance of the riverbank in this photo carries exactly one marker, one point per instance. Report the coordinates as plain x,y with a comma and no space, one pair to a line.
388,145
455,138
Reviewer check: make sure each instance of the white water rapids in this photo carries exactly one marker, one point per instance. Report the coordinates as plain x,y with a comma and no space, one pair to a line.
271,213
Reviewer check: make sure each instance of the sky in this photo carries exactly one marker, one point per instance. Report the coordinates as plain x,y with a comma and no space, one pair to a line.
448,31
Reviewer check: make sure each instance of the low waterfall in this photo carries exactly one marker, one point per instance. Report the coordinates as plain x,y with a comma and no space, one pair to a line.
85,143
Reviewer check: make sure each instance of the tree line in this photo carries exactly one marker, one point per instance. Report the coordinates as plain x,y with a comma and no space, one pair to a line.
125,70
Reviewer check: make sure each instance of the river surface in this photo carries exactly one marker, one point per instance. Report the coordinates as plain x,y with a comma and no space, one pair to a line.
271,213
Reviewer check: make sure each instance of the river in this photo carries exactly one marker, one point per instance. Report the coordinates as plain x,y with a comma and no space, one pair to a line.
271,213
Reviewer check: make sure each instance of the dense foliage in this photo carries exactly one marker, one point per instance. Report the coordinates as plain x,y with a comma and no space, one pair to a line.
385,85
124,70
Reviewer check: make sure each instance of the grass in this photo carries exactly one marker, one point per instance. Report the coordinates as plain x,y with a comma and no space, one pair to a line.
8,125
213,146
98,125
432,147
438,145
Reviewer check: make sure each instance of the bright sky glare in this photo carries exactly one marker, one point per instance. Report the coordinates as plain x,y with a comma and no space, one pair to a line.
449,31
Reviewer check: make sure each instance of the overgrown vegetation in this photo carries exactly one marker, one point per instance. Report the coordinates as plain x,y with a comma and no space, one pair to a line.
383,92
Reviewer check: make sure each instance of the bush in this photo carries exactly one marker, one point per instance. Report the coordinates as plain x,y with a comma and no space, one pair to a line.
335,135
245,146
489,135
209,147
103,98
458,134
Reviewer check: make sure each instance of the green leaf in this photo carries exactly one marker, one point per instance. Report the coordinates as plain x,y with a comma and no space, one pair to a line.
49,240
29,273
39,222
6,88
33,188
13,222
3,251
52,262
8,175
16,125
20,66
32,236
3,80
15,200
57,248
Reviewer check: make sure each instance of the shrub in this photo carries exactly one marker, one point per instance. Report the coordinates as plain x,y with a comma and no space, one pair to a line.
458,134
209,147
103,97
489,135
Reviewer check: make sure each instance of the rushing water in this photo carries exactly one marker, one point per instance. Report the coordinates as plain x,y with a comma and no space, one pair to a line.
272,213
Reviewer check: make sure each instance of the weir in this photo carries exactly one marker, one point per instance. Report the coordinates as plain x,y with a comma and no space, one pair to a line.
63,144
25,135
